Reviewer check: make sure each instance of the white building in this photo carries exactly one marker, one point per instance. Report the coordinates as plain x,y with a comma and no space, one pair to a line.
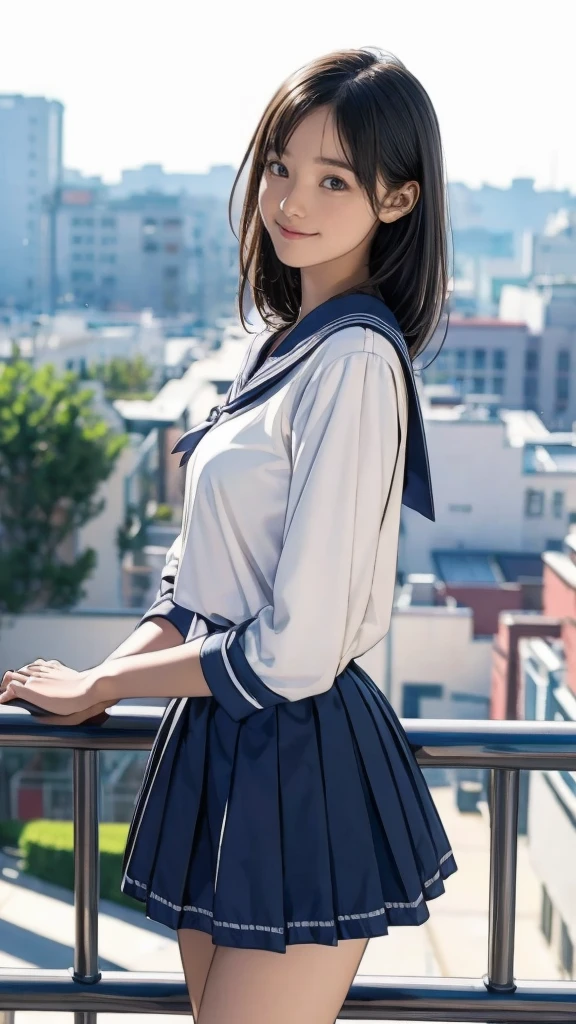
554,251
502,482
30,169
548,308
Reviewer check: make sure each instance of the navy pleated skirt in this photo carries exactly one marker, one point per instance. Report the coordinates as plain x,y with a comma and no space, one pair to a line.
309,821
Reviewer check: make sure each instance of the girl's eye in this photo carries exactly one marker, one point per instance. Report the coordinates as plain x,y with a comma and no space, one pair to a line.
341,185
276,163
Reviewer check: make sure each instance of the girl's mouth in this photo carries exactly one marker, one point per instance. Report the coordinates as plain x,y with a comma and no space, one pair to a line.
286,233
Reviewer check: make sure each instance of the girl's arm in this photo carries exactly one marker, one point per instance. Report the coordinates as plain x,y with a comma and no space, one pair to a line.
153,635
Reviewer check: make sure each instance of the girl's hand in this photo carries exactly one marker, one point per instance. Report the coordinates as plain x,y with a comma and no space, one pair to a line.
49,684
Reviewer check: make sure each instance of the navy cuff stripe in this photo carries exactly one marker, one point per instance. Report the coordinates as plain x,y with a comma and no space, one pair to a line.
230,678
243,670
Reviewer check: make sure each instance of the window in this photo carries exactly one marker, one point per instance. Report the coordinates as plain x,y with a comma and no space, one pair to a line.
108,257
171,272
172,247
530,388
108,222
546,915
172,222
499,359
563,361
533,503
479,358
461,358
150,246
558,504
498,385
82,275
108,240
459,508
531,361
566,949
77,239
562,387
414,693
109,281
478,385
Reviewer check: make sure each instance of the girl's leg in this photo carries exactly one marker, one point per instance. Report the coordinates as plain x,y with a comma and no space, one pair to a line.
196,951
306,985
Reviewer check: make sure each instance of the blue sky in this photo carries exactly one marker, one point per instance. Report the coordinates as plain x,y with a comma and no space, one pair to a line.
183,83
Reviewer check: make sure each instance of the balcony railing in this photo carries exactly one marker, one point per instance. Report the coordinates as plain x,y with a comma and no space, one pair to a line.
504,747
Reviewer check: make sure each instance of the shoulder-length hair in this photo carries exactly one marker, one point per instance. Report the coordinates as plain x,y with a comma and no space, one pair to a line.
389,131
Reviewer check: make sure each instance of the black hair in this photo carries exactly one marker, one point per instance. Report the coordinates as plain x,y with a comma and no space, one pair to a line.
389,131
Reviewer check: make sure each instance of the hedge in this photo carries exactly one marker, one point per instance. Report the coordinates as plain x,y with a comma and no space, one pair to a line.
47,848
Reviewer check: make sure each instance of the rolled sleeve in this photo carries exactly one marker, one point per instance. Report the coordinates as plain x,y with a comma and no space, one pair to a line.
345,445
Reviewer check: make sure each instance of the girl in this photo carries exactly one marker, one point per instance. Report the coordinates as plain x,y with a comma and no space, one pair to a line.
282,809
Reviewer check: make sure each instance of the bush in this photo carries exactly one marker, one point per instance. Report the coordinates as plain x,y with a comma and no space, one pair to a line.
163,513
48,851
10,832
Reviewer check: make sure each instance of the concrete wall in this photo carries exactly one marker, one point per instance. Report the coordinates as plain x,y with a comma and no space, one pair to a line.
552,838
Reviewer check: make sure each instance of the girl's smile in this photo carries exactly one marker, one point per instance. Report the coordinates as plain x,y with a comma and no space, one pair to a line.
289,233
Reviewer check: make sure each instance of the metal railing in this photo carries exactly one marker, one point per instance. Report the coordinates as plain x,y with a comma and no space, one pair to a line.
503,747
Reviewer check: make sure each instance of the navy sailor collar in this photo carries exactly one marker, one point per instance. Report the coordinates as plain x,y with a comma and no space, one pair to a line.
335,314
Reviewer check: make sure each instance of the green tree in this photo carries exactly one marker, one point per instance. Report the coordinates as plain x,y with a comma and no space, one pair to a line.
54,453
121,376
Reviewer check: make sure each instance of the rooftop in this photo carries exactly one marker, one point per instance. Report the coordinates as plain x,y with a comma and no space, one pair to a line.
488,567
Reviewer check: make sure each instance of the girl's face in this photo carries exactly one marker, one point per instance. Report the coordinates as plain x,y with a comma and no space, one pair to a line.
313,193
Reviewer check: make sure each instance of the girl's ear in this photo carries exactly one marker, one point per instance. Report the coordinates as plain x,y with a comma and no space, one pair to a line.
397,204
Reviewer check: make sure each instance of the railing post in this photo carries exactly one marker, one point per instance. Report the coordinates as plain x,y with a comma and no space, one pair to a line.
86,873
504,787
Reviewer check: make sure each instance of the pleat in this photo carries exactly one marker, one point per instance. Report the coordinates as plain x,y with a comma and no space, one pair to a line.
182,805
248,898
419,802
139,855
358,895
389,792
384,710
307,883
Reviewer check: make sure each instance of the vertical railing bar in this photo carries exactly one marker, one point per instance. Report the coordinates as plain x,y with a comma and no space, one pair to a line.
504,789
86,873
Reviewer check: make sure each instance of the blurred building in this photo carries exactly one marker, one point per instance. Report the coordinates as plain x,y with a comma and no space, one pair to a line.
169,253
216,182
30,168
527,356
554,250
502,482
534,678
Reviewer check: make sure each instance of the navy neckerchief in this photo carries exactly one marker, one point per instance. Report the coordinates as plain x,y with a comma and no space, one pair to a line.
333,315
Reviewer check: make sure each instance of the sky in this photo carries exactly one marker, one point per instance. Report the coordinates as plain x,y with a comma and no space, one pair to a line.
183,82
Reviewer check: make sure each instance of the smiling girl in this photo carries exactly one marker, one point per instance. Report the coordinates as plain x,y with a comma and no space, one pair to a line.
282,809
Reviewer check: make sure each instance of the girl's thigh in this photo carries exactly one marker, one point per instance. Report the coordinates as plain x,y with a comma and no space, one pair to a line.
305,985
196,951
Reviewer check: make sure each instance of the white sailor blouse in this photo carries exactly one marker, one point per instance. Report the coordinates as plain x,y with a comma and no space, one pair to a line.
291,516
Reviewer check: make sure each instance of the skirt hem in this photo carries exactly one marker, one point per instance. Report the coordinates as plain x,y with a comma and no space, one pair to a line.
256,936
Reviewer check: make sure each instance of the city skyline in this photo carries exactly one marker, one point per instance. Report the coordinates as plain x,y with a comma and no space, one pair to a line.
142,90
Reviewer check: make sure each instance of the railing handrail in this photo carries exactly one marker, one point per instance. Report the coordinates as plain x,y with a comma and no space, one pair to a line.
436,742
503,746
